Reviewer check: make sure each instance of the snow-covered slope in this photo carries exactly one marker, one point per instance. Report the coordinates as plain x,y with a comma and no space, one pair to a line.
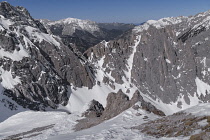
161,23
61,125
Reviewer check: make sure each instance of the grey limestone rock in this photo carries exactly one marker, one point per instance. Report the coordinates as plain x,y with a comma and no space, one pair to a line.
95,109
116,104
48,67
166,63
119,102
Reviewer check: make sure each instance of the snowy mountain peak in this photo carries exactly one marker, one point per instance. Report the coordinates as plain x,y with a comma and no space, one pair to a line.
201,19
9,11
85,33
74,24
72,20
161,23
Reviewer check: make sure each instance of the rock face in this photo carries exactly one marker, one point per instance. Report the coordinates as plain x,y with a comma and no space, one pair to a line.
166,60
118,102
84,33
36,67
95,109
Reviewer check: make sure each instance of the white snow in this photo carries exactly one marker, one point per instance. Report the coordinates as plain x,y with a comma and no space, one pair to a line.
5,23
141,28
179,67
4,107
39,36
172,107
204,61
205,23
118,127
203,123
8,81
113,50
145,59
74,23
202,109
202,87
27,120
80,97
115,128
175,44
178,33
161,23
16,55
101,62
161,88
177,77
105,43
168,61
130,59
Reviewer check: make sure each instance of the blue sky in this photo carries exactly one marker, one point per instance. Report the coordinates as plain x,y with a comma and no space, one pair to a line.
126,11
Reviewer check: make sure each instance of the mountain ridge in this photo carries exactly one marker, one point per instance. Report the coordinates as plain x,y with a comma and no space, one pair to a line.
85,33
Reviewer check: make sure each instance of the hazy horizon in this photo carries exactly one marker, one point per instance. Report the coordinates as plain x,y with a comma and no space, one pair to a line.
121,11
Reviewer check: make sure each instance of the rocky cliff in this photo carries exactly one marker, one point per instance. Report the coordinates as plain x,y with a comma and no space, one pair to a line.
36,67
167,60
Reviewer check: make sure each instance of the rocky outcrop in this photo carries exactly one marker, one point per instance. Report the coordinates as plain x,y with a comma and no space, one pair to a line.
116,104
19,15
145,105
95,110
119,102
179,124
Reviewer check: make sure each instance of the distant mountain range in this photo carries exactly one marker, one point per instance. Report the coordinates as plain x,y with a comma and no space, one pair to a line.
84,33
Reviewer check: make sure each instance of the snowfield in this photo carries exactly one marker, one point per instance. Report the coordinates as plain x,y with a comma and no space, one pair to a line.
25,121
60,126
